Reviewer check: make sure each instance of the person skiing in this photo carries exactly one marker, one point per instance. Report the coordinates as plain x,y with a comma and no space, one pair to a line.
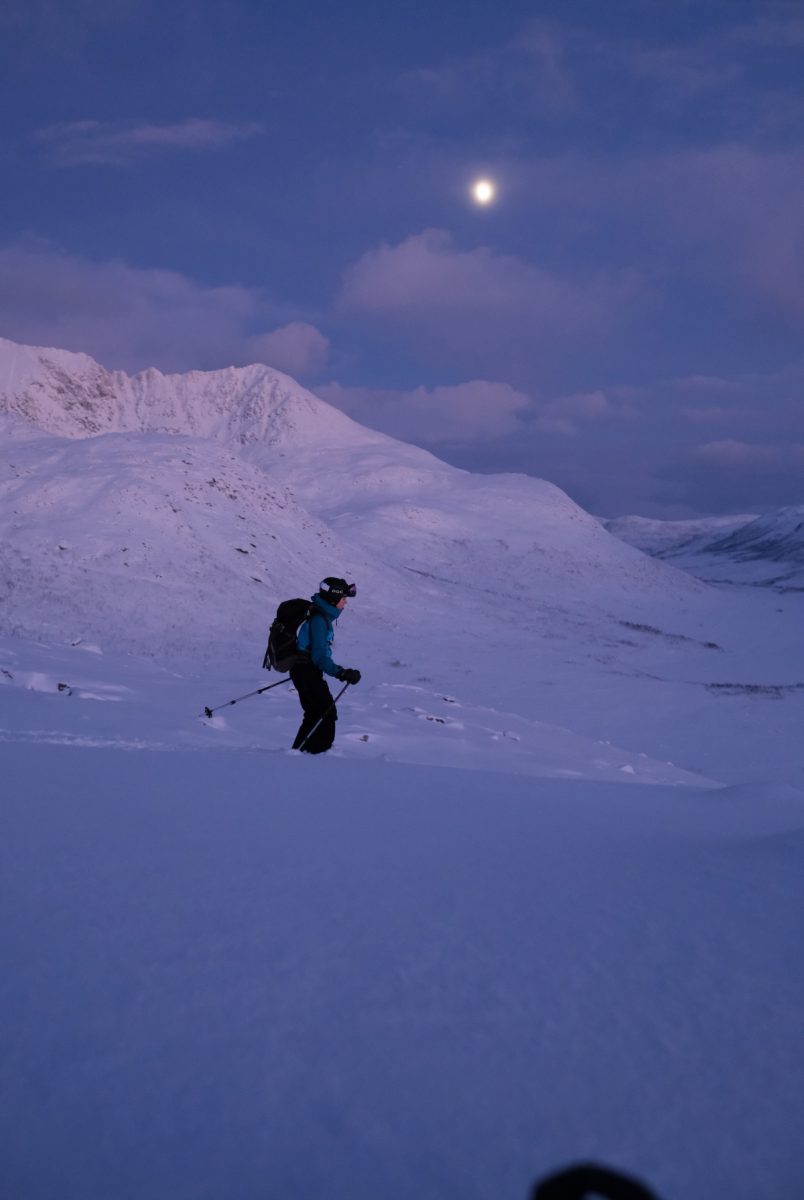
314,643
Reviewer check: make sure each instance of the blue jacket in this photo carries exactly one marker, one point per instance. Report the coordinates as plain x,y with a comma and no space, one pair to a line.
316,635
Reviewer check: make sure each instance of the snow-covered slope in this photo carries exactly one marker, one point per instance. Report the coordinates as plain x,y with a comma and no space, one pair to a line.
483,601
151,543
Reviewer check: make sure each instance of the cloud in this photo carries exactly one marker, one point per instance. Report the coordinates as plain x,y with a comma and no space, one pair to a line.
528,70
679,74
540,53
465,412
471,412
729,217
732,475
80,143
730,453
569,415
716,444
673,448
479,311
743,216
558,70
783,29
297,348
426,270
131,318
754,407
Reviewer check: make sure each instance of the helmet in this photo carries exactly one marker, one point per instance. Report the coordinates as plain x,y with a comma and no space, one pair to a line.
332,590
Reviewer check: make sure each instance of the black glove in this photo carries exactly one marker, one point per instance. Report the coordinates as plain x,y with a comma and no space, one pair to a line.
349,675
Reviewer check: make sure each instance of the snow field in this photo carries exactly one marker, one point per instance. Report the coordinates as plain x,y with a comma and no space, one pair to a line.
471,944
249,974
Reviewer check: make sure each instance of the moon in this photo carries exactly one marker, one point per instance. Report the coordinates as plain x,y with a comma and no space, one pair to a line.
483,191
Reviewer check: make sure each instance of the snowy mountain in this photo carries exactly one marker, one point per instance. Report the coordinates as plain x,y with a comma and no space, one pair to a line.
777,537
166,516
171,513
661,538
765,551
71,395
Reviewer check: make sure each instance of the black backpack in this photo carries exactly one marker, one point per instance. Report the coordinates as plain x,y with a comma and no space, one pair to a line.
282,652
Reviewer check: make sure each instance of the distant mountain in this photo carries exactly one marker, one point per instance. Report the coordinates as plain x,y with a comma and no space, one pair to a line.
662,538
777,537
766,550
173,512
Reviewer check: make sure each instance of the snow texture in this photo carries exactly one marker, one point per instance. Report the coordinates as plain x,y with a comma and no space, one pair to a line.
541,903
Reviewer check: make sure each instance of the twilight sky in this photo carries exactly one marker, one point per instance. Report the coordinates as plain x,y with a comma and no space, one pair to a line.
195,183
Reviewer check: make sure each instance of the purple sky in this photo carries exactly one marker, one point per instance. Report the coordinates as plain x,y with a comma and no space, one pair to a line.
206,182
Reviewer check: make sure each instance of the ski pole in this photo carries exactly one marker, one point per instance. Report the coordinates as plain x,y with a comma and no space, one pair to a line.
326,711
209,711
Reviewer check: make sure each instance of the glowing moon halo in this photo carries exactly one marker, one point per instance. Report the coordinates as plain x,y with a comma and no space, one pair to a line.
483,191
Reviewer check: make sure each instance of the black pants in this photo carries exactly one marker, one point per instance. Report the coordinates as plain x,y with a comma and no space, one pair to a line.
315,698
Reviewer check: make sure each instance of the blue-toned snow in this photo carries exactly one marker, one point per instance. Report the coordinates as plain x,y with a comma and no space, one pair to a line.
543,902
260,975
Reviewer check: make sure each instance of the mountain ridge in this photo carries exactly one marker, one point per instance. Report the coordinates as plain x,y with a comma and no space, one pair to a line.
71,395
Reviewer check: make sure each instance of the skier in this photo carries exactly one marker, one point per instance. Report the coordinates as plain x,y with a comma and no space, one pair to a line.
315,644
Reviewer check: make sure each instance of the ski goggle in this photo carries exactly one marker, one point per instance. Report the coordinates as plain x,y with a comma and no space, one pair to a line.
328,590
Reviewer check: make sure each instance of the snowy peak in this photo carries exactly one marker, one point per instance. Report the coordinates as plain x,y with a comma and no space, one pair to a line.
58,391
71,395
